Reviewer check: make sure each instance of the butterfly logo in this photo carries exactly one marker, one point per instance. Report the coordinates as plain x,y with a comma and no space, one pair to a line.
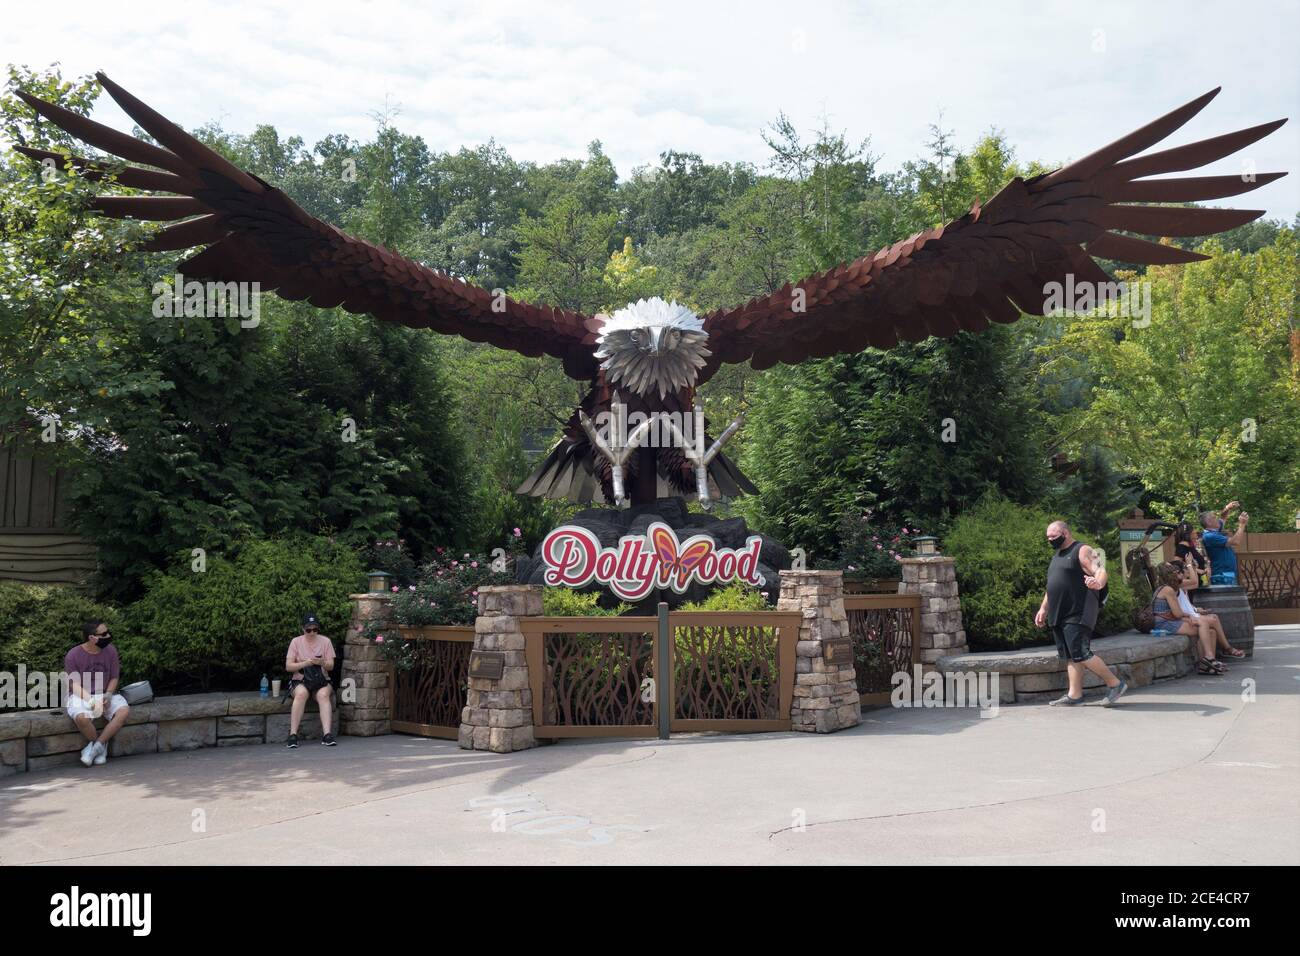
673,558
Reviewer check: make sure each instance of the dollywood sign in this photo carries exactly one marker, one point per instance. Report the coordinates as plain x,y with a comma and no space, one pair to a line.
642,562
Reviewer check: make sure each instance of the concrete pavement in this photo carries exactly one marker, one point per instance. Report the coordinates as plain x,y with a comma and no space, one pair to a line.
1183,772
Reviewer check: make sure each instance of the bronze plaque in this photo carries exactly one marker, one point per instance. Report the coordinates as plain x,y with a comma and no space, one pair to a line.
487,665
837,651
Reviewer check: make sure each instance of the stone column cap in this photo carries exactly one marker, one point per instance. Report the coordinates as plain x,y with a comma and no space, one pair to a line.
826,575
927,559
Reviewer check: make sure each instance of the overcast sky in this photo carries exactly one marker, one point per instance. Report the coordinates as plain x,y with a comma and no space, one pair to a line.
544,79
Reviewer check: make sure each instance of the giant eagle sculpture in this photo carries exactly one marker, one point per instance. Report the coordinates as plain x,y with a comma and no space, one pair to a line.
990,265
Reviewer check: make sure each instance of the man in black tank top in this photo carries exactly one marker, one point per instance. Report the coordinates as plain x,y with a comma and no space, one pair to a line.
1070,607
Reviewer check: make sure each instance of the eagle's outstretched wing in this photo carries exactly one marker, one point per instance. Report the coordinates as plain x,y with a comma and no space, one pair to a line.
993,263
253,232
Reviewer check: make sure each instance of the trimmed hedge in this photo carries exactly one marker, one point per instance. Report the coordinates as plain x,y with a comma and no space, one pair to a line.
1001,558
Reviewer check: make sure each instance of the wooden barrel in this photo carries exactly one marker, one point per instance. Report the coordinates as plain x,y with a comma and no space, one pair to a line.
1230,603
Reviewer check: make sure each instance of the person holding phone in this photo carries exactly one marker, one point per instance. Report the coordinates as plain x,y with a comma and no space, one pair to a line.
1187,548
309,662
1219,546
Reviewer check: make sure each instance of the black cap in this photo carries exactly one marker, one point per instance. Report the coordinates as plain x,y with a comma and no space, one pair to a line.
309,620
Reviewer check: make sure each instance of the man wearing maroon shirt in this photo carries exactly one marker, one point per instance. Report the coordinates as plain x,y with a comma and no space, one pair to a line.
93,671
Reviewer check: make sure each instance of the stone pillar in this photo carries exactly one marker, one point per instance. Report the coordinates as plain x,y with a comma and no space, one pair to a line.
934,577
364,705
498,714
825,696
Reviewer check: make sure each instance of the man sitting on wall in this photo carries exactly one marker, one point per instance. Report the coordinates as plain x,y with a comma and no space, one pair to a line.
1219,547
93,671
310,660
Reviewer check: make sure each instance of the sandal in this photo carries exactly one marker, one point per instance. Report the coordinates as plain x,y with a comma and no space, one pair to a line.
1235,652
1207,666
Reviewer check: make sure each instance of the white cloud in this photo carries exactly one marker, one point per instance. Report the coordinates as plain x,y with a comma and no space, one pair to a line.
546,79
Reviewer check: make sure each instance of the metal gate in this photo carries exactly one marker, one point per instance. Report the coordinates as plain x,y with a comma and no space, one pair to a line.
599,676
427,698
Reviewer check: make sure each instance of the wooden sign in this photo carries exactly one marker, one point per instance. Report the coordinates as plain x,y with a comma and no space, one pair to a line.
837,651
487,665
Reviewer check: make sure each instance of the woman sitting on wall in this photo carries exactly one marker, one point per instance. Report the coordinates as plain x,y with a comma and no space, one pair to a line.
1170,618
310,661
1190,581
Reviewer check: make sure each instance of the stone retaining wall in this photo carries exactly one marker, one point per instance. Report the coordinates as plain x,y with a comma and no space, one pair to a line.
1037,674
38,739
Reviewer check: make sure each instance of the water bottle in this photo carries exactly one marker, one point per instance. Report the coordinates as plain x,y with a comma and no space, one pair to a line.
266,687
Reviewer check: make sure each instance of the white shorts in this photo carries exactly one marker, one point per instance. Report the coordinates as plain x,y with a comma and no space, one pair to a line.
77,706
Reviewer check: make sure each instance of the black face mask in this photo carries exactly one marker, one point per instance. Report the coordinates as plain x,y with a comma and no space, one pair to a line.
103,640
1056,542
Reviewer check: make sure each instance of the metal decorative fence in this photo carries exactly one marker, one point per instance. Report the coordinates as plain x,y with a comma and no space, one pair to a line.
733,671
592,676
1272,583
428,698
598,676
884,629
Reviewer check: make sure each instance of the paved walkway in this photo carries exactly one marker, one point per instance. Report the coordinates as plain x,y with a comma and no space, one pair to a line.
1182,772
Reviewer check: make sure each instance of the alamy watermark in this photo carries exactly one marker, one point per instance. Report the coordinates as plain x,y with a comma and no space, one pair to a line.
1126,299
41,690
921,688
662,429
181,298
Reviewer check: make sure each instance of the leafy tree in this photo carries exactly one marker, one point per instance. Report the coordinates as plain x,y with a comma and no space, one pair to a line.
918,432
69,301
680,194
563,254
1203,403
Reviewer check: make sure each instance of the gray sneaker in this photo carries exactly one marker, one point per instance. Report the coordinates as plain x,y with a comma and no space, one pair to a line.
1065,700
88,754
101,755
1115,693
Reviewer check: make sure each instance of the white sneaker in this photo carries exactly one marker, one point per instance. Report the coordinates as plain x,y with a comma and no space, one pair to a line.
88,754
101,754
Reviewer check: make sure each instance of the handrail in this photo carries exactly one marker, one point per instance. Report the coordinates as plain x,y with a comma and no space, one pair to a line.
603,625
735,618
436,632
862,602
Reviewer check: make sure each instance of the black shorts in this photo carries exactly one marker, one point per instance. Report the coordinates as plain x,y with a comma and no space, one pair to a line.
1073,641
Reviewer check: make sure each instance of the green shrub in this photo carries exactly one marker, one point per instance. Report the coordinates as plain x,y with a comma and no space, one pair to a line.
736,596
17,603
871,547
226,626
446,590
1002,559
50,625
565,602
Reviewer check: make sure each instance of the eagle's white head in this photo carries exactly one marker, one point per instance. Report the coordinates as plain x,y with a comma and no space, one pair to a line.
652,345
